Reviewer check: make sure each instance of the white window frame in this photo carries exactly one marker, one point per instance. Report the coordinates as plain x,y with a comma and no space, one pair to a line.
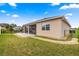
45,27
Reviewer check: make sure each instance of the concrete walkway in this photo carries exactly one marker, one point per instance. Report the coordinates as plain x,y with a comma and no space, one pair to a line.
73,41
23,34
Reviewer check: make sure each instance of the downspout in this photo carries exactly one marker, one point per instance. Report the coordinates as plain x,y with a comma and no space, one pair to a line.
62,30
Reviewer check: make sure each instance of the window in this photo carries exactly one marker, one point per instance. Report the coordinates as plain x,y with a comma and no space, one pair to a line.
46,27
43,27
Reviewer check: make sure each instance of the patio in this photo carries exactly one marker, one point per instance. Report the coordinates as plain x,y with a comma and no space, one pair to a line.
30,29
23,34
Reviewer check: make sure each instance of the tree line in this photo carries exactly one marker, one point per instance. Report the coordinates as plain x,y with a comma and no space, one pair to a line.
10,28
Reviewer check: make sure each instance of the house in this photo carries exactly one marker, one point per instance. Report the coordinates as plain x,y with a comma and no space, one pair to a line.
52,27
17,29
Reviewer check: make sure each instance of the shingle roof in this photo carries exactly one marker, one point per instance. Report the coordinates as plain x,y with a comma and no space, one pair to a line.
49,18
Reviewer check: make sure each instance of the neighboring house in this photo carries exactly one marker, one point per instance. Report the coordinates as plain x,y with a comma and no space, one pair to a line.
17,29
52,27
72,30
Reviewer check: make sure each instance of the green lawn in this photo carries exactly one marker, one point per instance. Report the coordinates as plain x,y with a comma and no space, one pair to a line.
15,46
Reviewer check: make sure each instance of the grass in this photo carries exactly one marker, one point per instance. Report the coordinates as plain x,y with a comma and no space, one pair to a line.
10,45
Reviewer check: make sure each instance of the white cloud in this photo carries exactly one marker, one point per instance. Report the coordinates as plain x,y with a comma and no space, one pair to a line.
15,15
66,17
45,12
40,1
8,14
55,3
34,19
12,4
69,14
3,11
70,6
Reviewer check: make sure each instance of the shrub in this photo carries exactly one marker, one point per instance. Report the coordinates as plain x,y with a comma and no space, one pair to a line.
77,33
3,30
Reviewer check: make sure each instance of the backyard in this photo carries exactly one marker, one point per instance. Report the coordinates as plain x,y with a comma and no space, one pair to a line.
11,45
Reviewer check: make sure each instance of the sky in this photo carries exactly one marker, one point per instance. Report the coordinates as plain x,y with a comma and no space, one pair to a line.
23,13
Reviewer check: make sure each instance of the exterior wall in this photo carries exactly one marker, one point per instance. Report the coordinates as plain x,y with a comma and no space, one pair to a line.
58,29
65,29
55,29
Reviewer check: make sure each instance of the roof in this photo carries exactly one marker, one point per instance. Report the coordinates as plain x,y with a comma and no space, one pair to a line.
73,29
48,19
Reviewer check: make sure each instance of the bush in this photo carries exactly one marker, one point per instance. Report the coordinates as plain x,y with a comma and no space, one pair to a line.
3,30
77,33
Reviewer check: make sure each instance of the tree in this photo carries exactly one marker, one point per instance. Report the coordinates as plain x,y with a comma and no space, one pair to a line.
77,33
17,29
13,25
7,28
4,25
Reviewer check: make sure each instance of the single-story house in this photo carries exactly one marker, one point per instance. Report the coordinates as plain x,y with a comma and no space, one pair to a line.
52,27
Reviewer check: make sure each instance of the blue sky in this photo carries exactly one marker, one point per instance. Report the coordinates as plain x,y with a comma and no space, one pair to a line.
22,13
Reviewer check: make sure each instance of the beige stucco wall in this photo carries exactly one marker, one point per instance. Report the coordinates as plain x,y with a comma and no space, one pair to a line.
55,29
65,29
